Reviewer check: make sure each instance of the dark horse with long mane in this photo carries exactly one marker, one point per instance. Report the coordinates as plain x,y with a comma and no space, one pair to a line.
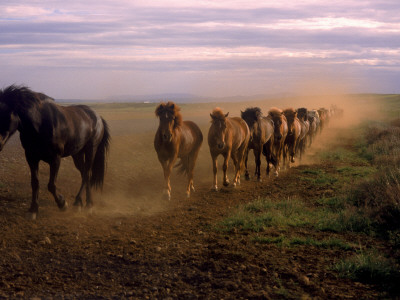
230,138
174,139
49,132
280,133
261,133
292,138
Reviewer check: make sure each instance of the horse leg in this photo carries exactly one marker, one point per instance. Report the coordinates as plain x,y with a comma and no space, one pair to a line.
225,168
236,163
54,167
257,157
192,161
292,153
215,170
34,167
80,165
246,174
167,167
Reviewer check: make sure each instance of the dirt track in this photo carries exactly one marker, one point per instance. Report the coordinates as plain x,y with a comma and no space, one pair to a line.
137,245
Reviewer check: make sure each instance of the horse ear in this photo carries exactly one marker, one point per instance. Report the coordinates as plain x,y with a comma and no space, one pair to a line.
159,108
226,114
173,106
212,117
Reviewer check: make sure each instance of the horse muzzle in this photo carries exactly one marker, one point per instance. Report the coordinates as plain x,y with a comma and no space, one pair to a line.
167,137
221,146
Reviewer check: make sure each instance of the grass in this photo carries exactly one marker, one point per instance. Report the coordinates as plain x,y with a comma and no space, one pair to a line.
364,184
263,213
370,267
308,241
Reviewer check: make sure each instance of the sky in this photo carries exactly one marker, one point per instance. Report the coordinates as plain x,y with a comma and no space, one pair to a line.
101,49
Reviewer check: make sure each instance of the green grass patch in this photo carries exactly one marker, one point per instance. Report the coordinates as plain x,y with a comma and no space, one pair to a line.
372,268
344,156
298,241
356,171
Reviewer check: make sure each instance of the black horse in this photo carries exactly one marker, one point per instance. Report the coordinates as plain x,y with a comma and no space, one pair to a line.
49,132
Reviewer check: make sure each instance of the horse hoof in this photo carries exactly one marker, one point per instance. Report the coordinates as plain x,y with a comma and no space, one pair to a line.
214,188
247,176
90,211
64,207
226,183
259,179
33,216
167,197
234,184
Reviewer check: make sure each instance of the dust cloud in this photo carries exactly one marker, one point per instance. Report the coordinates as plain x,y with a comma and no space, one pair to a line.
134,180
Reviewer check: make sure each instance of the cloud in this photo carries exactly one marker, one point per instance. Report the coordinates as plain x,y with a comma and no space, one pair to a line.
279,39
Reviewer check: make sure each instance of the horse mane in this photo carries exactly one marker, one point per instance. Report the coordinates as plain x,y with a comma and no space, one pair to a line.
172,108
290,112
302,113
21,98
252,113
275,112
218,114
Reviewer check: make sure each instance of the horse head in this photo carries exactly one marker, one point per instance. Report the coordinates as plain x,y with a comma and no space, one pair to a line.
9,122
302,114
170,118
252,117
218,125
277,116
291,115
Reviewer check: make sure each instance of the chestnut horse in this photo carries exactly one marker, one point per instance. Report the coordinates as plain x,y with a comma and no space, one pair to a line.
49,132
174,139
292,138
323,118
305,128
275,148
230,138
261,132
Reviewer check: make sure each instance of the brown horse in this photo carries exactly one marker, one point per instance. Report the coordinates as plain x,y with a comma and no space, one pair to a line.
313,119
279,137
230,138
294,131
174,139
261,132
305,129
323,118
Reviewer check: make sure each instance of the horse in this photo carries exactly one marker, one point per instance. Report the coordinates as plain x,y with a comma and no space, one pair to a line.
175,139
274,149
230,138
323,118
292,138
261,131
305,128
49,132
313,119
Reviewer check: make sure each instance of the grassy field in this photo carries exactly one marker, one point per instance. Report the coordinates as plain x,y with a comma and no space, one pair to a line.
326,228
363,179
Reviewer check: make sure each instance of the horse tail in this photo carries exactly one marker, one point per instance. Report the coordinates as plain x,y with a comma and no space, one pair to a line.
99,162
